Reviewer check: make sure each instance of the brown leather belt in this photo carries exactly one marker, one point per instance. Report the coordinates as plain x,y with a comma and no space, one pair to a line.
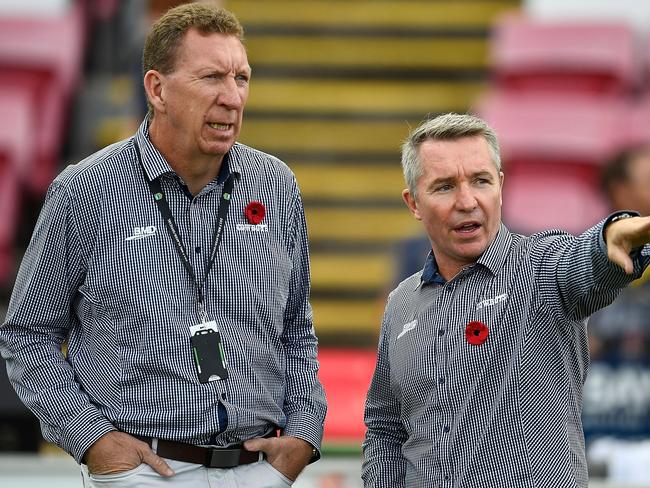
210,457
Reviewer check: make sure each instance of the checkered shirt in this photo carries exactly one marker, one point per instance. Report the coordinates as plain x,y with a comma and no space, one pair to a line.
443,412
102,273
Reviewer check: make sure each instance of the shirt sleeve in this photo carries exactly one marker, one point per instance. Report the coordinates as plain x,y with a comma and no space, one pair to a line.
579,272
304,404
37,325
383,465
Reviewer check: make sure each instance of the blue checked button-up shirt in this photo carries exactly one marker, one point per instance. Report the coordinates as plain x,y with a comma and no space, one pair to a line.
442,412
101,271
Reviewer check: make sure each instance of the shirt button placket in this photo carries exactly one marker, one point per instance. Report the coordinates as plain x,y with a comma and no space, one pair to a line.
442,367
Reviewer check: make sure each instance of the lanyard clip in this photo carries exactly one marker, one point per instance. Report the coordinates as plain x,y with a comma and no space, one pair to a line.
203,314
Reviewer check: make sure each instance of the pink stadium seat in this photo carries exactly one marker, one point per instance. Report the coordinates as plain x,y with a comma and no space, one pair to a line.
553,147
16,152
565,56
346,375
17,123
9,209
43,55
635,128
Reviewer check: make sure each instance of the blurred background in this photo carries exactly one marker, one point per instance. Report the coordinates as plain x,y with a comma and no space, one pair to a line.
337,85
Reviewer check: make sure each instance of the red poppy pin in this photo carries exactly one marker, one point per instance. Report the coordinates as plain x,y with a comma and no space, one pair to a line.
255,212
476,333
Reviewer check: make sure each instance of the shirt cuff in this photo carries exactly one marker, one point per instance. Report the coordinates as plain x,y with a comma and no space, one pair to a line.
301,425
613,217
83,431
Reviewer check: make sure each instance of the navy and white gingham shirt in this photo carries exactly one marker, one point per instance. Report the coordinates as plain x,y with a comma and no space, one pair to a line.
442,412
101,271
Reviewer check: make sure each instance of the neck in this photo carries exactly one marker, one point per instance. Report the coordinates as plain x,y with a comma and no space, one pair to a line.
449,271
196,170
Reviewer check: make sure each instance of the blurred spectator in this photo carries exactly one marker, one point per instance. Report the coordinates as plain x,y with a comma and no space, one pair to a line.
622,330
617,390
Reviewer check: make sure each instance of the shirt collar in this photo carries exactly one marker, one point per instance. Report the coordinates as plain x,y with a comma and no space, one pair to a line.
155,164
492,259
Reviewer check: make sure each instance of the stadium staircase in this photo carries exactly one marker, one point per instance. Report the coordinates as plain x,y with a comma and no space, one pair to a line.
336,87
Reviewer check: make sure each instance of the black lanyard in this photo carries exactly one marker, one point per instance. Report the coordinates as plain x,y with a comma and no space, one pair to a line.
170,223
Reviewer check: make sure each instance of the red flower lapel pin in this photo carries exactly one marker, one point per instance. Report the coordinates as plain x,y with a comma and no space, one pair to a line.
476,333
255,212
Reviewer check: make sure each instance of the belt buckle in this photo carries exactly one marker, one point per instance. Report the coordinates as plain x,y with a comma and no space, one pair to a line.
222,458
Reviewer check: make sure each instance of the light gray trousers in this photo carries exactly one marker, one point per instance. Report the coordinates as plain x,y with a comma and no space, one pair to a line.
256,475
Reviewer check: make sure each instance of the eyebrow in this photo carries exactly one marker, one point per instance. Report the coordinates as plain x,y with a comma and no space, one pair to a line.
451,179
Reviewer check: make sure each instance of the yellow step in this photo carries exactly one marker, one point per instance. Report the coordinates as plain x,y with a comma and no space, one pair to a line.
357,136
364,52
368,225
351,271
370,13
367,96
338,181
348,316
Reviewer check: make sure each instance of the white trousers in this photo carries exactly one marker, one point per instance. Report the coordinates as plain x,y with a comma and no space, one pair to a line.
255,475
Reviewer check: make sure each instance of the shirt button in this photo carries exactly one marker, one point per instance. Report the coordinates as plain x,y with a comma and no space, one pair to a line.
223,396
441,332
445,428
441,380
447,478
197,249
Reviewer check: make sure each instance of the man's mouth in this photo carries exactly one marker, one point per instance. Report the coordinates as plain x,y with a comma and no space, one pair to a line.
467,228
218,126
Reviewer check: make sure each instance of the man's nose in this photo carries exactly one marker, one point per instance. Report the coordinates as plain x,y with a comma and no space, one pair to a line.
465,198
230,95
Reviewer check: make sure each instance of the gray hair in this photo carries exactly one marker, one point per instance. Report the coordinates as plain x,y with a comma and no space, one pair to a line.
447,127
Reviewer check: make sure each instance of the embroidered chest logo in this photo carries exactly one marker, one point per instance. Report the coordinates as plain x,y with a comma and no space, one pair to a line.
407,327
142,232
492,301
252,228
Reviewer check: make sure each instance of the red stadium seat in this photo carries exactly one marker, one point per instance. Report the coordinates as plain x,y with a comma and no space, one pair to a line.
44,56
346,375
553,148
564,56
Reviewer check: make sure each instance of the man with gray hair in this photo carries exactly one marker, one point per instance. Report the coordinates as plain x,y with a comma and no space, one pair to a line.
175,266
483,354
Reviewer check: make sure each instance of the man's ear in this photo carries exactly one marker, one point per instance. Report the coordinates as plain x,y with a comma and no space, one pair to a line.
501,177
153,87
411,203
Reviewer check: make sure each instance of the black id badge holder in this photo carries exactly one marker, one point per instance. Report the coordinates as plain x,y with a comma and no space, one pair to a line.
208,353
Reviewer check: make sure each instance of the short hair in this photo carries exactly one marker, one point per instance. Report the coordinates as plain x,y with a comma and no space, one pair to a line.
617,169
446,127
167,33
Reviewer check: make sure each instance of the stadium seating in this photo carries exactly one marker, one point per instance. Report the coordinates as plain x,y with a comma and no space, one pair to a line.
553,146
345,374
43,56
335,92
16,125
564,56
